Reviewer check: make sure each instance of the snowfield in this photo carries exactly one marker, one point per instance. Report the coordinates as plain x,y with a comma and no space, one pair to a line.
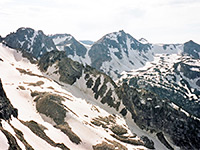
19,78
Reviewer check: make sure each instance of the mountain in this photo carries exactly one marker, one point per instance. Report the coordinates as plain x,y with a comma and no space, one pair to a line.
119,51
40,113
66,95
149,112
174,77
73,48
192,49
33,42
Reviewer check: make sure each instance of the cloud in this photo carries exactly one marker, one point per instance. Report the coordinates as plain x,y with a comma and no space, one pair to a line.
183,2
91,19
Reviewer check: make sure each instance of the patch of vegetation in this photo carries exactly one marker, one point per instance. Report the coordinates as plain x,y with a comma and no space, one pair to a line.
11,140
65,128
101,91
87,76
97,83
104,121
36,93
89,83
123,112
128,140
117,145
38,83
39,131
51,105
21,87
20,136
118,130
147,142
103,146
110,101
50,87
23,71
164,141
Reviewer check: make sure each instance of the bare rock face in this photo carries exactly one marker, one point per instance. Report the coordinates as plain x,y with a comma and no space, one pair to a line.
6,108
118,43
159,116
192,49
30,41
69,44
69,70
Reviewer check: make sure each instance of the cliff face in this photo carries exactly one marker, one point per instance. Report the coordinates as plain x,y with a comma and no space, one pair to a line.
6,108
158,116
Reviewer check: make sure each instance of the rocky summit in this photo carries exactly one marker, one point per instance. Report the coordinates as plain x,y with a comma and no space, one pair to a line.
116,93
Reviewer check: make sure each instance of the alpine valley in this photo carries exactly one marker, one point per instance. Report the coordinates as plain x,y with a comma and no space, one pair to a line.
117,93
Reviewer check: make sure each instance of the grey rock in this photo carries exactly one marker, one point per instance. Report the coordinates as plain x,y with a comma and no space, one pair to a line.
70,45
192,49
30,41
6,108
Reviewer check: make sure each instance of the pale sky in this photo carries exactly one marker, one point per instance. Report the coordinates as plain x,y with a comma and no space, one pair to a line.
159,21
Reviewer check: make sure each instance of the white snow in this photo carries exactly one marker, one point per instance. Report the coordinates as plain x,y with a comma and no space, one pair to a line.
195,69
80,108
3,141
35,34
61,39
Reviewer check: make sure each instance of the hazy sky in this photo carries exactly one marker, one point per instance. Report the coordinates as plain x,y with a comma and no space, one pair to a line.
159,21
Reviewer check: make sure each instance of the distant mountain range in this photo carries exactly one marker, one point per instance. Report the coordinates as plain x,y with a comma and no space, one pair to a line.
111,86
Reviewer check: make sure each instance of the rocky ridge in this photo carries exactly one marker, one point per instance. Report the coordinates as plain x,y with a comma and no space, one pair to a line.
149,112
29,40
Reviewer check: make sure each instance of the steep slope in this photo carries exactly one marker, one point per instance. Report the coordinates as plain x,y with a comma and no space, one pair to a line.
30,41
149,112
50,117
173,77
6,109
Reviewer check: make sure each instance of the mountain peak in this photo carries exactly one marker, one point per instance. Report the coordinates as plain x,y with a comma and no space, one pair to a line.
143,41
193,49
30,40
122,31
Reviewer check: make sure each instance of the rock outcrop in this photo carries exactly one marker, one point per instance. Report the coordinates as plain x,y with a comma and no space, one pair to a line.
30,41
6,108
